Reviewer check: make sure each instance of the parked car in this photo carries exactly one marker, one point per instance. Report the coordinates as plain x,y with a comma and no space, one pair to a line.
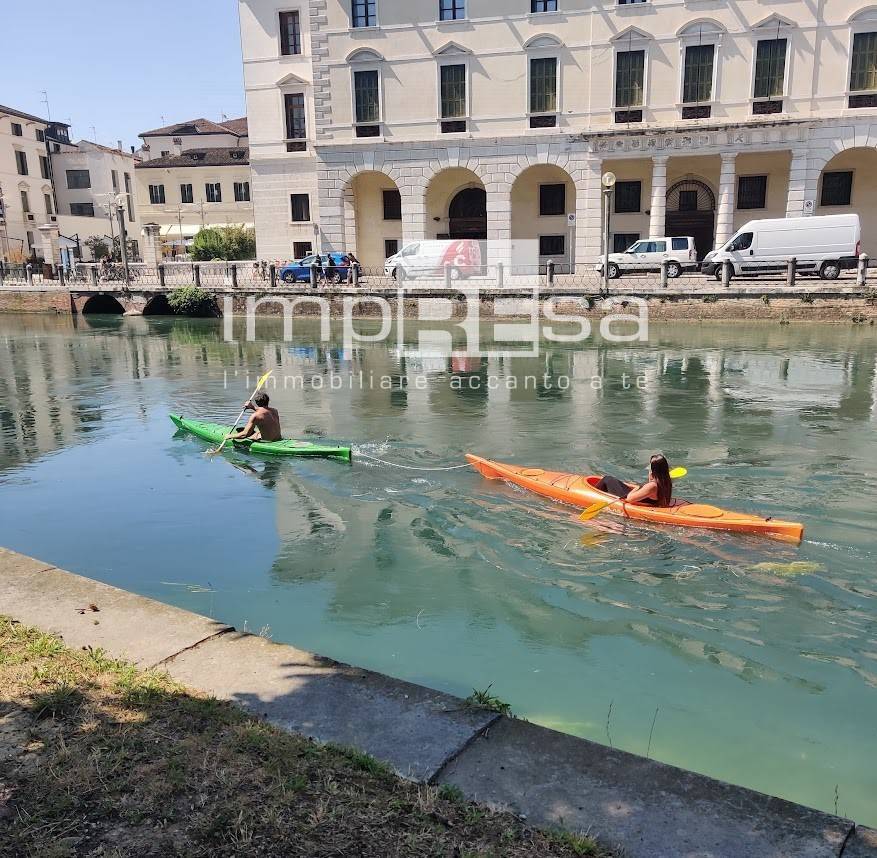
822,245
648,254
429,259
300,270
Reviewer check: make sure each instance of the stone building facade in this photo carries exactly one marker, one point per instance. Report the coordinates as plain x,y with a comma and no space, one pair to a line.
376,123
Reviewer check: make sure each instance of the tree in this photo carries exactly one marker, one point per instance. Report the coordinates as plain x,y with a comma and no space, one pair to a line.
224,242
97,246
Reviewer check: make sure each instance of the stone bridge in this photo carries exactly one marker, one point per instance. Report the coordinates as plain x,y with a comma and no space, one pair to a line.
130,302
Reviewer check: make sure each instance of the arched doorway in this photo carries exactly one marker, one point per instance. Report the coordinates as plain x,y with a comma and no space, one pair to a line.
691,210
456,205
847,185
376,219
467,214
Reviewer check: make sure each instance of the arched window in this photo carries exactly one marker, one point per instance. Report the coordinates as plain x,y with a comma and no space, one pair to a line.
631,74
699,44
863,59
543,81
770,65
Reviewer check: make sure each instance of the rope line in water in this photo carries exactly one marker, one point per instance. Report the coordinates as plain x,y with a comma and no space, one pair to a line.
409,467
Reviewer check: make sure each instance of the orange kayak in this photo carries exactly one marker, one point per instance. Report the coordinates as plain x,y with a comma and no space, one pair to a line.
581,491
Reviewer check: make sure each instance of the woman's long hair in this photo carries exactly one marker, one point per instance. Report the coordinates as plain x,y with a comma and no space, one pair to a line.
660,468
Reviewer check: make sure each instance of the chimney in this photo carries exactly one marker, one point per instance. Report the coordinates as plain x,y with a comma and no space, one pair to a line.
121,148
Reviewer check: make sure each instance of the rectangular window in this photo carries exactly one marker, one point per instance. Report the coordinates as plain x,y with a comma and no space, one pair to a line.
453,91
392,205
452,10
82,209
300,249
156,195
688,201
114,177
47,200
628,197
367,98
241,192
296,123
16,130
78,179
25,202
629,77
129,196
45,171
863,71
21,162
186,194
391,247
622,240
301,207
552,245
543,85
751,192
543,5
770,68
290,33
213,192
697,83
552,199
41,135
364,13
837,188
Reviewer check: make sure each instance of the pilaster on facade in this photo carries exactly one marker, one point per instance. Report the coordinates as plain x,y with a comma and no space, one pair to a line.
658,217
726,199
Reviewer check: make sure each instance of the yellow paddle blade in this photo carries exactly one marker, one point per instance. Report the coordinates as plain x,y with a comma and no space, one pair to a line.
678,473
264,378
592,510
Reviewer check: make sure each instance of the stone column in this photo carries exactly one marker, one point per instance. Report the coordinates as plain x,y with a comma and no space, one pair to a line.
589,216
499,223
151,250
658,219
727,198
413,213
51,241
803,182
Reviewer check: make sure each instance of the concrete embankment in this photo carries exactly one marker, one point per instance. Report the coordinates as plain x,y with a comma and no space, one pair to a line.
836,304
649,809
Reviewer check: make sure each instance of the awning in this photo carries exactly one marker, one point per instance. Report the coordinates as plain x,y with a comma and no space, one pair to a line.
173,230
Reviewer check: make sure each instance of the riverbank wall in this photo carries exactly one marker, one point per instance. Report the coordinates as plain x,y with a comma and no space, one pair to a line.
841,305
648,809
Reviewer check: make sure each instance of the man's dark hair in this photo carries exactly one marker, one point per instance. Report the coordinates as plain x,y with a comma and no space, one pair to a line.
260,400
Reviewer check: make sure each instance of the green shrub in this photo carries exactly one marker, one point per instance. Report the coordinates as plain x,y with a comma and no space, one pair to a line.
224,243
191,301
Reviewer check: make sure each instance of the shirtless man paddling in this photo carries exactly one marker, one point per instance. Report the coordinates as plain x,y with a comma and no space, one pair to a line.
263,425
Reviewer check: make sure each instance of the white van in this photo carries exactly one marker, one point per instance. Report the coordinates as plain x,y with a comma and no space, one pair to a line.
429,259
821,245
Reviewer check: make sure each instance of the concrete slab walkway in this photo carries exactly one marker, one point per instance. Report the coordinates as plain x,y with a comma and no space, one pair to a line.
648,809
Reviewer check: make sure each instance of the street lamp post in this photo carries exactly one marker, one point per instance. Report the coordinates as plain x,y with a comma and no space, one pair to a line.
608,183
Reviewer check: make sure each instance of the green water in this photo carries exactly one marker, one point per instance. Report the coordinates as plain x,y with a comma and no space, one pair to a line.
761,675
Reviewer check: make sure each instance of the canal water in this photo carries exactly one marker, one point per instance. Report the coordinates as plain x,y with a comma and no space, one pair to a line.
746,659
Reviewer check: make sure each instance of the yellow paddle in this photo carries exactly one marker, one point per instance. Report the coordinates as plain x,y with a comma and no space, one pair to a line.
595,509
262,381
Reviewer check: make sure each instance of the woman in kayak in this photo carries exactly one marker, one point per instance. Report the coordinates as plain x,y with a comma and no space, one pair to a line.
658,491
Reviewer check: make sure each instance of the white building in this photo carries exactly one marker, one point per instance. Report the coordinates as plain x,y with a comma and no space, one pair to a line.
88,179
26,193
385,122
194,174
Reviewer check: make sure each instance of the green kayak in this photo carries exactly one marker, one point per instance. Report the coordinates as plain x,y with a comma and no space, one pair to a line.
215,433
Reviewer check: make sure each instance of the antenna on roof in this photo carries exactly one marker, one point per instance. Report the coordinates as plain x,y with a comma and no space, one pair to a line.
46,102
93,134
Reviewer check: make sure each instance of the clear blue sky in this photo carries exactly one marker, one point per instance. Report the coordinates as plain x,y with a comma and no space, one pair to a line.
121,65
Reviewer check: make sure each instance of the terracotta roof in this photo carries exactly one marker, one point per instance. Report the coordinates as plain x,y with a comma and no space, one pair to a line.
237,126
223,157
199,126
111,149
30,117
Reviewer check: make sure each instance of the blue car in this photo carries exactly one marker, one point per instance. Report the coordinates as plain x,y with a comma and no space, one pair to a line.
300,270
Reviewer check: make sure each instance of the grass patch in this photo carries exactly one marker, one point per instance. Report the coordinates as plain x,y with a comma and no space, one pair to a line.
485,700
103,759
